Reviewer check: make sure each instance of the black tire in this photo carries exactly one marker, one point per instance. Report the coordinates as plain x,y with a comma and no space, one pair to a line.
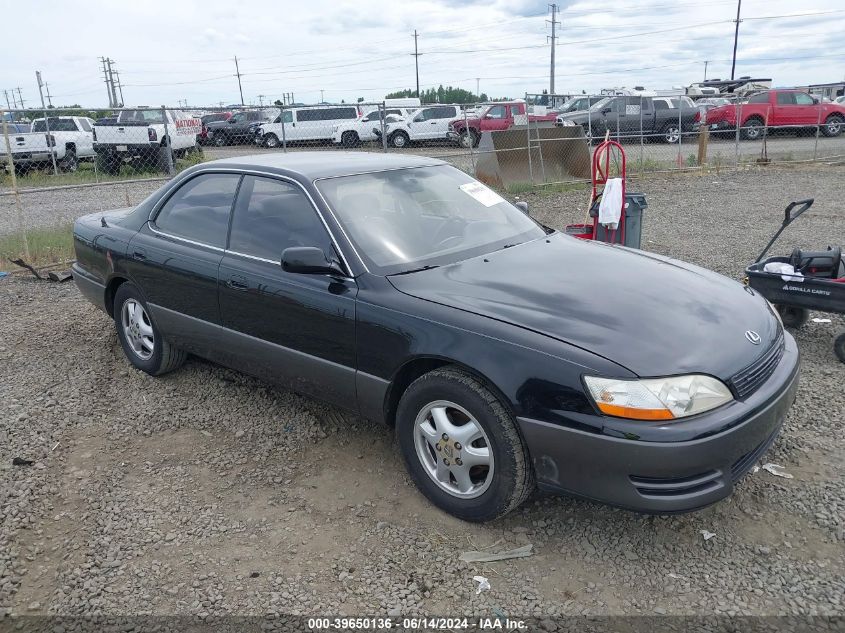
70,163
219,139
399,139
793,317
752,129
833,125
839,347
469,138
161,162
165,357
108,164
512,479
349,139
271,141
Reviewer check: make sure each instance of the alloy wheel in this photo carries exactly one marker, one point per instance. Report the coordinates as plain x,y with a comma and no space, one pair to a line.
138,329
453,449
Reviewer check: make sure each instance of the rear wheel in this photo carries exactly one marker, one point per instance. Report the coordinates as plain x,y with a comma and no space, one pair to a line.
671,133
793,317
349,138
70,162
461,446
833,125
140,338
107,163
839,347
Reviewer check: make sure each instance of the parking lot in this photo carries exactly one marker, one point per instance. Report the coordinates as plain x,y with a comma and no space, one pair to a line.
208,492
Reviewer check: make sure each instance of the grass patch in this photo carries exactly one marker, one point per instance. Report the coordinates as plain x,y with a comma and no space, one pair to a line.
46,246
87,174
554,187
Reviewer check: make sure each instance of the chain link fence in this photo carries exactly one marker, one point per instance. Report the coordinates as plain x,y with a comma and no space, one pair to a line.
62,163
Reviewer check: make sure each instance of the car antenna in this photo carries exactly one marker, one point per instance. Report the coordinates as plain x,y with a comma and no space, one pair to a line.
103,222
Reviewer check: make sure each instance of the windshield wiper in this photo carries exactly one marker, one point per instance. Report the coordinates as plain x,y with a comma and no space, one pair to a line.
414,270
511,245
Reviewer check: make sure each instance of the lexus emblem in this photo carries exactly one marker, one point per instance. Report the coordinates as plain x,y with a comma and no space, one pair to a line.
752,337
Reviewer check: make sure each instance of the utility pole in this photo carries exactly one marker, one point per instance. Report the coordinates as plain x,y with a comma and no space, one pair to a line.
478,89
111,84
20,97
6,94
416,55
705,69
736,36
322,99
49,99
46,122
238,75
106,80
260,101
553,22
120,88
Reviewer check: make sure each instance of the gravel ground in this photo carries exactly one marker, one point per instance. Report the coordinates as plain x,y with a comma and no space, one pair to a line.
208,492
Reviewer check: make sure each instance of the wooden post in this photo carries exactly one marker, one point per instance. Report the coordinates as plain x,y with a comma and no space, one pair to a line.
703,139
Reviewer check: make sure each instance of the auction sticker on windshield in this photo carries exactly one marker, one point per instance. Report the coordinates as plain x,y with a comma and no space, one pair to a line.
484,195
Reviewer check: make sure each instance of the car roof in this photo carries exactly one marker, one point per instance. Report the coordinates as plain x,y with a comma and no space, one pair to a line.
324,164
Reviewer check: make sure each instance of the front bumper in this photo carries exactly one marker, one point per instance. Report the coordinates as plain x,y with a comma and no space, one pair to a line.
666,477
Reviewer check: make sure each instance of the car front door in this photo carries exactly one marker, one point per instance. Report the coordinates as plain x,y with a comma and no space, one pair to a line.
421,125
295,329
807,111
496,118
85,141
174,257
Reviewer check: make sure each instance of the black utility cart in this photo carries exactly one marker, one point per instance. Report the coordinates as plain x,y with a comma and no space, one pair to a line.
817,283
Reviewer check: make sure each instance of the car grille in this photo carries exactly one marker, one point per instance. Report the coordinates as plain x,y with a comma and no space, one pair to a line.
748,380
744,463
676,486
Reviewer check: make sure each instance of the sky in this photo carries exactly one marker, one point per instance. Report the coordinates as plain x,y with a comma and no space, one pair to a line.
324,50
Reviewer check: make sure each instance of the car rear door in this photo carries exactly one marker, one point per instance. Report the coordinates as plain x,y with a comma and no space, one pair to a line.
295,329
439,127
174,257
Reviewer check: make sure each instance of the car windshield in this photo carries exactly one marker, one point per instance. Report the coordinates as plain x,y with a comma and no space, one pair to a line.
598,105
406,219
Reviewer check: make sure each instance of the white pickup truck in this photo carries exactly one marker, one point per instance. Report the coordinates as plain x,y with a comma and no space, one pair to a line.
70,140
424,124
140,137
351,133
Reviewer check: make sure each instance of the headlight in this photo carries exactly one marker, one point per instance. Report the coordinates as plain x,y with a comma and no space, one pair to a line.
657,398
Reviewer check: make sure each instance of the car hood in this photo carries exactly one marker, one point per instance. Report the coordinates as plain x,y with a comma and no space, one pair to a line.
653,315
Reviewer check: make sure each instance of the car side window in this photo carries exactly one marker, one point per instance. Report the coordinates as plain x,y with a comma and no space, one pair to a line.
497,112
785,98
272,215
760,97
803,99
199,209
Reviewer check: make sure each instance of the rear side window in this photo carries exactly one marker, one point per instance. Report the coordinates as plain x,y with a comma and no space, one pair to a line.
760,97
199,209
86,126
272,215
326,114
786,98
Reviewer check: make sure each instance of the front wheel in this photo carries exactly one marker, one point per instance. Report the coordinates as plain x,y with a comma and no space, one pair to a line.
70,163
834,125
461,446
791,316
271,141
349,139
400,140
140,338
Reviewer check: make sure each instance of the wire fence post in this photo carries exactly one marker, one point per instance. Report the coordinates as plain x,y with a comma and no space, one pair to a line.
528,137
382,114
818,131
680,132
471,143
642,136
284,133
11,167
168,154
738,125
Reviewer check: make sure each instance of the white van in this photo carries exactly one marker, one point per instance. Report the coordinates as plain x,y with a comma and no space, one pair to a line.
305,123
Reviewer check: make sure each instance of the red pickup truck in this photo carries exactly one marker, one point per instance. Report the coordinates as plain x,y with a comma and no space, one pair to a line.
778,109
499,116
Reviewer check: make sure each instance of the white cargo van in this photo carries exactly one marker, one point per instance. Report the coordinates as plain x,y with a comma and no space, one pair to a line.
305,123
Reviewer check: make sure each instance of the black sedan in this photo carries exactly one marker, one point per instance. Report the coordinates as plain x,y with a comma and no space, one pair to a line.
502,352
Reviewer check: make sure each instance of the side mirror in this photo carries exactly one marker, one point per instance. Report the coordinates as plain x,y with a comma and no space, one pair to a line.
815,99
365,120
308,260
488,116
522,205
605,110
